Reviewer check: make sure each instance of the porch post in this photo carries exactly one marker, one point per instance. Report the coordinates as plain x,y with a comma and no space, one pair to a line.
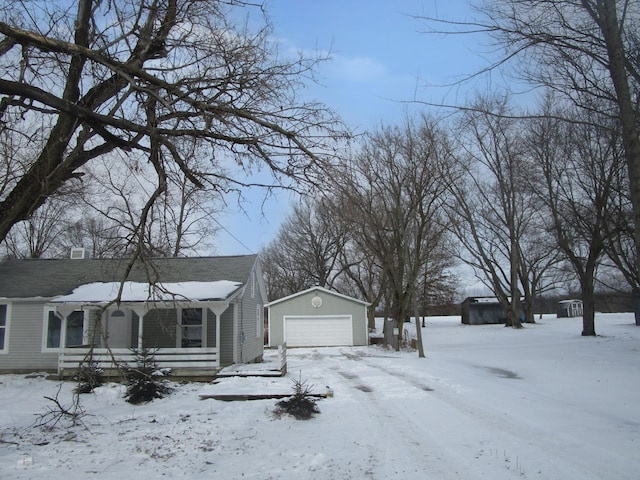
140,328
65,311
141,311
218,308
218,333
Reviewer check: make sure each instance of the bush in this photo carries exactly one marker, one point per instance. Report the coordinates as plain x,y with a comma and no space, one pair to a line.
145,381
88,376
301,405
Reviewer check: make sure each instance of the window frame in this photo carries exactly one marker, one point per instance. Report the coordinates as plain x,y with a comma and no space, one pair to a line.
182,326
4,348
45,329
63,329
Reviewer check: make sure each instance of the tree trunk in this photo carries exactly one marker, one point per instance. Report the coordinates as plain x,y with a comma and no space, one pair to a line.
589,311
418,328
610,27
371,318
588,301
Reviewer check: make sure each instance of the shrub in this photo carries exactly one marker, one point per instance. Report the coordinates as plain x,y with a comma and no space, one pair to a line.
300,405
88,376
145,381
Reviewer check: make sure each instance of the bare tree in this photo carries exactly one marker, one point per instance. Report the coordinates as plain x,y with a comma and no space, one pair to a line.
437,283
391,196
492,210
363,275
183,222
95,234
307,248
584,50
620,247
580,166
281,272
39,235
161,78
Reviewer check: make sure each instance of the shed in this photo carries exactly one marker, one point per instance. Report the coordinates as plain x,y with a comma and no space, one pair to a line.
318,317
482,311
569,308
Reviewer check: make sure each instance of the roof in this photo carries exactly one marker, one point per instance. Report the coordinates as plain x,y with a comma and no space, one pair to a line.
105,292
34,278
319,289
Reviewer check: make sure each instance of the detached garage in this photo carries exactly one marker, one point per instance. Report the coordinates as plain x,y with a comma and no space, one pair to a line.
318,317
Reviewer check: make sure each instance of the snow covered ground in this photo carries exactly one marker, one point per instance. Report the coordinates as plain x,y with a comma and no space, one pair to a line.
487,402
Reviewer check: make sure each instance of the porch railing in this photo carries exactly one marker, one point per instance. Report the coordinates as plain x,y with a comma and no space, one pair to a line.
203,360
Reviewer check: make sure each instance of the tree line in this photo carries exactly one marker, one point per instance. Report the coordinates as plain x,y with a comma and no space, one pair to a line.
128,126
530,204
538,197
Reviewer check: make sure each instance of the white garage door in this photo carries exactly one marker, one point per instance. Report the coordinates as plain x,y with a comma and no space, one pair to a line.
317,331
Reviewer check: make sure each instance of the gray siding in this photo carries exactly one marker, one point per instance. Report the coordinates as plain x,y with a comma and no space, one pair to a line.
211,328
25,340
331,305
250,338
241,338
226,337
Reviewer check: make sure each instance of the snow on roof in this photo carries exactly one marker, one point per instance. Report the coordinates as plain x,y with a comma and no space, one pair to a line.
104,292
486,299
318,289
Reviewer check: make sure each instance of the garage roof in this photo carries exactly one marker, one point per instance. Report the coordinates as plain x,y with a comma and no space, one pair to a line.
318,289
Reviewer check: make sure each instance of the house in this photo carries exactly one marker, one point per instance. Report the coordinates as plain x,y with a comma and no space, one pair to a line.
317,317
482,311
200,313
569,308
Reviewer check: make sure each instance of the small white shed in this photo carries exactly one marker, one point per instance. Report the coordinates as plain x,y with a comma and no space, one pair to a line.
318,317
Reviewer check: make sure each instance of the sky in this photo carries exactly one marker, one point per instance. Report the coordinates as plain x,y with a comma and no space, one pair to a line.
381,60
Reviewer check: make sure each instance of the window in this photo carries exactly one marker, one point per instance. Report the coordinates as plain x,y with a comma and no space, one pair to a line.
191,327
4,325
56,330
53,329
75,329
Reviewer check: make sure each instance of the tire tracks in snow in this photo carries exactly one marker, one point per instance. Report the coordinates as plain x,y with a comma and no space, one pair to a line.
513,452
399,450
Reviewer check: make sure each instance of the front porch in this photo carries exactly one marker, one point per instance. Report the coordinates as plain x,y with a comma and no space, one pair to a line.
183,362
184,334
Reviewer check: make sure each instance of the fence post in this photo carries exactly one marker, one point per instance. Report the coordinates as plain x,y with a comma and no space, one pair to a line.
282,355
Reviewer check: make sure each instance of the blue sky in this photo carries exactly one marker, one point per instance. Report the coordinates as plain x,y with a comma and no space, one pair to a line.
380,60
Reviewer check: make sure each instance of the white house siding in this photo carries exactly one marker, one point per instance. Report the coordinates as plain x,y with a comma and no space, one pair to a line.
25,341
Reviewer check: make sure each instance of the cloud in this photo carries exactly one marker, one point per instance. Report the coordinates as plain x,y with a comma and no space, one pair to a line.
357,69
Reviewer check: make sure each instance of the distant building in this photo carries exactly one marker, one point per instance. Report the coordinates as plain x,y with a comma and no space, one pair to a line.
569,308
483,311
